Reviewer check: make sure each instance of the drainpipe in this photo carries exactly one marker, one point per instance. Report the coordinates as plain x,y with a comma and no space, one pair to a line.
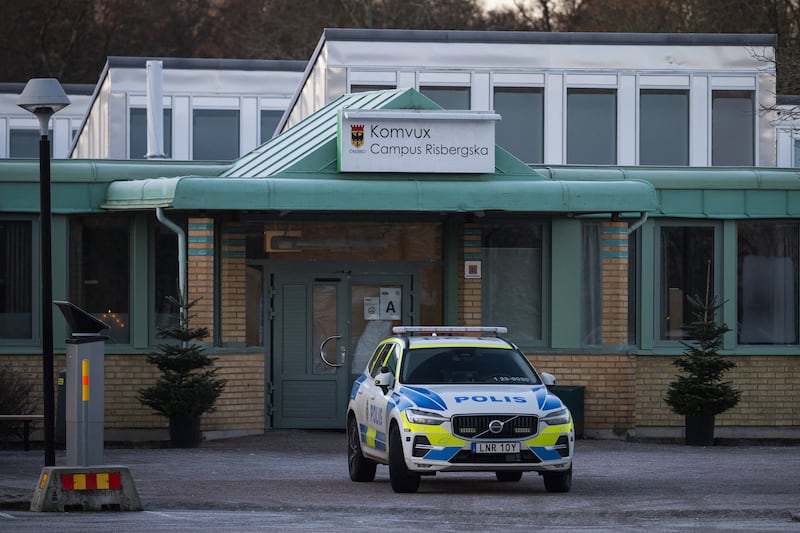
181,260
638,224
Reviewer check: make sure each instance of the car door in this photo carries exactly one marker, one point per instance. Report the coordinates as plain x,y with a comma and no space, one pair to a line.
378,400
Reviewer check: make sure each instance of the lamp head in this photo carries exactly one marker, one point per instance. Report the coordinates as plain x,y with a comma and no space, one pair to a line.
43,97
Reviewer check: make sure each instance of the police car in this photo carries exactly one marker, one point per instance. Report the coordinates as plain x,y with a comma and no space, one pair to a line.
456,399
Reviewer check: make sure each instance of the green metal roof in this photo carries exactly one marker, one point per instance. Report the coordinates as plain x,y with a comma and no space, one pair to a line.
704,192
297,171
80,186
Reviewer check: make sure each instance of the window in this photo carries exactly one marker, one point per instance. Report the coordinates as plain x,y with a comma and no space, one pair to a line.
269,121
165,267
521,131
448,97
254,318
664,127
687,269
512,279
767,282
138,133
215,134
100,271
732,128
591,126
24,144
797,154
592,285
16,270
367,88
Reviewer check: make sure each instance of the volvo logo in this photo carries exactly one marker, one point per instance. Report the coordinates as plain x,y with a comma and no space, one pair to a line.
496,426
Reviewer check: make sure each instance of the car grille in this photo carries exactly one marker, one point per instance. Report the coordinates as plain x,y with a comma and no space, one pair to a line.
477,426
467,457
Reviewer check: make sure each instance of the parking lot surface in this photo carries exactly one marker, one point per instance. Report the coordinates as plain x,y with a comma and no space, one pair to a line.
297,480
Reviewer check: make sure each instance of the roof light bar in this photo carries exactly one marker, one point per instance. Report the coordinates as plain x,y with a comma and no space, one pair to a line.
434,330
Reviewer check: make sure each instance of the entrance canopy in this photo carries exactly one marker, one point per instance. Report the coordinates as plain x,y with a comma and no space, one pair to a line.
298,171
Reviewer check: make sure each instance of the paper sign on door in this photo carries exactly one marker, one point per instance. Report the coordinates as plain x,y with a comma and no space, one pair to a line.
390,303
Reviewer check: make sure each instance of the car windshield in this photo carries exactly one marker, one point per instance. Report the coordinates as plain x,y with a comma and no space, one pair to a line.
431,366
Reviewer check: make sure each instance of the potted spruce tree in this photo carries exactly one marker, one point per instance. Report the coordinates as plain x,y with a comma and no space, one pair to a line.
187,386
702,394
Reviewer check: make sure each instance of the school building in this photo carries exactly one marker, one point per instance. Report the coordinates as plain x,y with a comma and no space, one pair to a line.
574,187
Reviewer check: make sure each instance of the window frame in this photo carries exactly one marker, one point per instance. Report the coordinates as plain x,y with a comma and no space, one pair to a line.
643,91
658,278
534,89
602,90
546,258
35,288
738,311
713,128
209,111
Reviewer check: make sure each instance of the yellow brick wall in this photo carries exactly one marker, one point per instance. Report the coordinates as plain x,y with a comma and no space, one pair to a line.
233,285
470,305
240,407
770,388
610,381
200,272
615,282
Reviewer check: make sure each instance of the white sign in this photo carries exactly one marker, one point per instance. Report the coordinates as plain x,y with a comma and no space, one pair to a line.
472,269
424,141
372,308
390,303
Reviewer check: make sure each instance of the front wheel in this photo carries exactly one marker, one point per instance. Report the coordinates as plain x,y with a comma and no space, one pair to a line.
401,478
558,481
361,468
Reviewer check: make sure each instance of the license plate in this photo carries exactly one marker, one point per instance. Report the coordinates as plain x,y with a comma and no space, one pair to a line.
495,447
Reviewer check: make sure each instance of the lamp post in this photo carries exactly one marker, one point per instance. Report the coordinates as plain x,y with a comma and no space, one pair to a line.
43,97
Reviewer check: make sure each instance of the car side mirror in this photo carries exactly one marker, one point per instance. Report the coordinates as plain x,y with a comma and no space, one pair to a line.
384,380
548,378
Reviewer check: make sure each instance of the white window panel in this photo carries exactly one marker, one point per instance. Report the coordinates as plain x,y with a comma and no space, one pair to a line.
591,80
373,77
517,78
216,102
444,78
733,82
663,81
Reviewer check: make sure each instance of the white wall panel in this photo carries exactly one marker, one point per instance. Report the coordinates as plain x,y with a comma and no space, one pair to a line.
699,123
627,123
554,114
181,128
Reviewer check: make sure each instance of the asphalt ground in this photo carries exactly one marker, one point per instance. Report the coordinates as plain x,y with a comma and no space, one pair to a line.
627,484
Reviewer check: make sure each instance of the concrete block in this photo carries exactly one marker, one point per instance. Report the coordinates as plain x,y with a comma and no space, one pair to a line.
86,488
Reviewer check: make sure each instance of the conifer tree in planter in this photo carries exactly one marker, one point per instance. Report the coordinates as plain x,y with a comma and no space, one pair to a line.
701,394
188,386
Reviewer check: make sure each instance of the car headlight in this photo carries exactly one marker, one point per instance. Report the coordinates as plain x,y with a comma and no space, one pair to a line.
557,418
415,416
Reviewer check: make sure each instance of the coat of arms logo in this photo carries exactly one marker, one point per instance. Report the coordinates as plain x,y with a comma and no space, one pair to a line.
357,135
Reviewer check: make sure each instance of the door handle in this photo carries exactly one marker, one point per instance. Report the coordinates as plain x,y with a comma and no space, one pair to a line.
322,350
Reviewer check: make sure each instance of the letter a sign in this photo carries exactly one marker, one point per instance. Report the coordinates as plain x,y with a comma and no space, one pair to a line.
390,303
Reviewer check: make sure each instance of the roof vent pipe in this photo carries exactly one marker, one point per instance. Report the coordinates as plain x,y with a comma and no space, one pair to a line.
155,110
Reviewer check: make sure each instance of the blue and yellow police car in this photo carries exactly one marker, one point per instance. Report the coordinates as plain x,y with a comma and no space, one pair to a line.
456,399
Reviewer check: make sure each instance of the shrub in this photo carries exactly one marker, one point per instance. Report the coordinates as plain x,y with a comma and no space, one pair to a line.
15,399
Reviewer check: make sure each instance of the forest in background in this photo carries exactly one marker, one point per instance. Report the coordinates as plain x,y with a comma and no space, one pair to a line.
71,39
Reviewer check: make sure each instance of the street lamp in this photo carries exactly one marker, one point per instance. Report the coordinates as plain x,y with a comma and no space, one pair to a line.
43,97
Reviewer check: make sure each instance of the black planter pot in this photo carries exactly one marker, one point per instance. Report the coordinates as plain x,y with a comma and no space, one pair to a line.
184,432
699,430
